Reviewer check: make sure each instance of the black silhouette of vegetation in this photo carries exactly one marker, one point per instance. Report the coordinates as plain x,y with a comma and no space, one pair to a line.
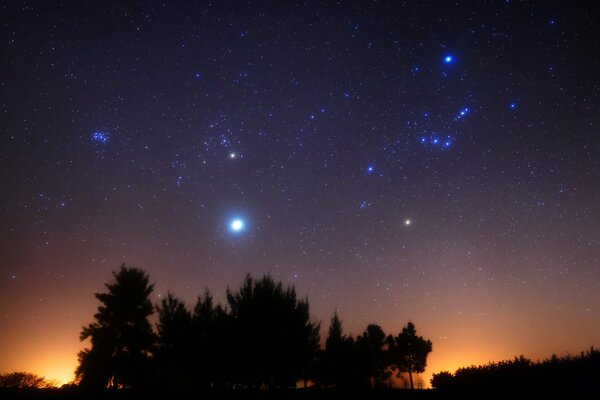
409,352
262,338
121,337
25,380
567,375
277,341
373,355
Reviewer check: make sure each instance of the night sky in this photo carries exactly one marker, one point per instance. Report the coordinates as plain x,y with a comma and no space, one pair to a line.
436,162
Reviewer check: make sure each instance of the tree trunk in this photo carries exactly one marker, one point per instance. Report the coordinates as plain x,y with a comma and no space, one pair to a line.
411,381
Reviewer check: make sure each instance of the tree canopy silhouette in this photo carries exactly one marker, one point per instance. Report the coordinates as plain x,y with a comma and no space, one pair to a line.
340,364
25,380
373,346
262,338
409,352
172,356
275,340
568,377
121,336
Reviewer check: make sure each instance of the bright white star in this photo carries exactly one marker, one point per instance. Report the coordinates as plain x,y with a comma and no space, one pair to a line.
236,225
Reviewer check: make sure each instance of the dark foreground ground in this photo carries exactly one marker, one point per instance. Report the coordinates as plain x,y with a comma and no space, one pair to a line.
297,394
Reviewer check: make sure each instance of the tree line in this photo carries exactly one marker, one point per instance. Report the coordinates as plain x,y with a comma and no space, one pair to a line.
263,337
573,374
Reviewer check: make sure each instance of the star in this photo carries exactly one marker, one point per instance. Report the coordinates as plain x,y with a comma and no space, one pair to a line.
464,112
448,59
237,225
513,105
407,222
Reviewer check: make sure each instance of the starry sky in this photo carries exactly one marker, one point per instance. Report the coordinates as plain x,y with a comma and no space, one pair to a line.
437,162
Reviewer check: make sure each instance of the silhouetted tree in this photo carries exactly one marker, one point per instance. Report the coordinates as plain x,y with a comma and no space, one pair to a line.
409,352
373,345
212,332
275,341
25,380
330,365
121,337
174,341
442,380
337,364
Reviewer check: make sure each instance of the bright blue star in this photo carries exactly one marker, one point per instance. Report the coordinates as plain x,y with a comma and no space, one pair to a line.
197,75
100,137
513,105
237,225
370,169
449,59
462,113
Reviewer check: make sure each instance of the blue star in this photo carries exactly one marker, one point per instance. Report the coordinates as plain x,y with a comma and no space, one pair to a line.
237,225
100,137
462,113
370,169
448,59
513,105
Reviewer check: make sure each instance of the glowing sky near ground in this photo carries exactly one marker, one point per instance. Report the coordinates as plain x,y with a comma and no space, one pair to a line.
435,162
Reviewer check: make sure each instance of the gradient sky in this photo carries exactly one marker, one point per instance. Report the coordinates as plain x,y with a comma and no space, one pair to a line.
428,161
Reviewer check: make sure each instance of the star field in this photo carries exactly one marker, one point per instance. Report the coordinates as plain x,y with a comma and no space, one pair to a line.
432,162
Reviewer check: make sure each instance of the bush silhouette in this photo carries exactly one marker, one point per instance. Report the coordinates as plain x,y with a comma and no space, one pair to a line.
25,380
